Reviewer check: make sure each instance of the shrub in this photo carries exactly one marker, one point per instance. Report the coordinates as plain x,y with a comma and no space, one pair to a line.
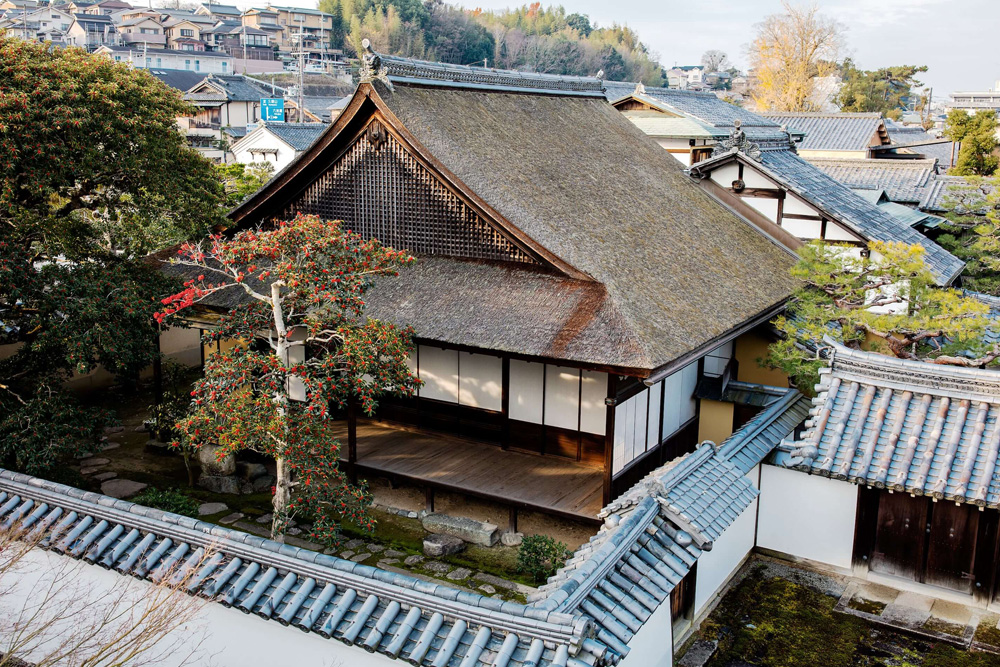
170,500
539,556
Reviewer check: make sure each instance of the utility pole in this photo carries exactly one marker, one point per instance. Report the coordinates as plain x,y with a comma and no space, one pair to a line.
243,21
301,114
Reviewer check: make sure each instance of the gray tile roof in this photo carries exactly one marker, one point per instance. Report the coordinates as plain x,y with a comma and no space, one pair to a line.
232,87
299,136
944,187
396,615
992,336
704,107
903,135
656,531
833,131
908,426
179,79
843,205
911,216
905,181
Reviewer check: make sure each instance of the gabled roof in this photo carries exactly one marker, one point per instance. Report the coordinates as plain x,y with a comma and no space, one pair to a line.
835,131
905,181
660,125
228,88
655,533
701,106
298,136
162,52
179,79
908,426
911,216
571,179
213,8
842,205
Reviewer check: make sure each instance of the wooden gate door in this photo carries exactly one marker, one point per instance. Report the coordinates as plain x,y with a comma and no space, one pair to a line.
951,546
900,540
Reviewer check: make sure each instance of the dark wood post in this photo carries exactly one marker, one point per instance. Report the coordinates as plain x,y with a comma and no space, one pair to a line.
157,370
505,401
352,437
609,435
512,519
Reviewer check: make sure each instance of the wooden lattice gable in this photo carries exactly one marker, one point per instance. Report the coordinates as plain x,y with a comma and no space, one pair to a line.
370,172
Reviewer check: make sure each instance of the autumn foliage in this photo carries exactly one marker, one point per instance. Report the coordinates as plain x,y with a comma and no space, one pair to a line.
306,351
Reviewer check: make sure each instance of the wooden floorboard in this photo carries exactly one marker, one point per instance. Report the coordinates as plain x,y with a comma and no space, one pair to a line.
547,483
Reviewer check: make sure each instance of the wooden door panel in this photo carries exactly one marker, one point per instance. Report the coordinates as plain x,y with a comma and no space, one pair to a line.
951,546
899,542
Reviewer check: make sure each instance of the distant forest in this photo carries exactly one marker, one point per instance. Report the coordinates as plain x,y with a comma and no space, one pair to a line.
529,38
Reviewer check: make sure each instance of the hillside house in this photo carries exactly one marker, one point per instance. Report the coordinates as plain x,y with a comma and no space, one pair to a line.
92,31
221,102
144,57
142,30
276,143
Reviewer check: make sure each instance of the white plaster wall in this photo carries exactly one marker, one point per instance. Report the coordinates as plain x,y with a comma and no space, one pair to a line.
725,176
754,179
653,423
796,206
229,637
769,207
835,232
678,403
480,381
593,411
804,229
526,385
439,371
562,397
715,567
717,360
181,345
630,430
264,139
807,516
653,645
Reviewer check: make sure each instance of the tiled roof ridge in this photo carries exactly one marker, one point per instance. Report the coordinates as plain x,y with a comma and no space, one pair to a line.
922,163
731,445
62,505
823,114
956,382
424,72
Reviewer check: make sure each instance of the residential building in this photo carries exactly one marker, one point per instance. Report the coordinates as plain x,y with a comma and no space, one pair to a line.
142,30
221,102
219,12
971,102
183,34
686,77
19,5
91,31
106,7
206,62
41,24
239,40
758,171
835,135
276,144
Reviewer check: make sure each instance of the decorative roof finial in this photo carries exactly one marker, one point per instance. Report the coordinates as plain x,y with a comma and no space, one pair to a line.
640,89
738,142
371,66
600,74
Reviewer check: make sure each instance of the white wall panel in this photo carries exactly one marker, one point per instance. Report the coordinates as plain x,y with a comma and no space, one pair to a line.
725,176
639,423
715,567
653,645
480,381
689,381
795,206
673,402
769,207
526,391
804,229
835,232
807,516
562,397
653,422
439,371
593,411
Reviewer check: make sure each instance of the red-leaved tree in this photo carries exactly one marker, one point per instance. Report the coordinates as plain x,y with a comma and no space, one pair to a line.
306,348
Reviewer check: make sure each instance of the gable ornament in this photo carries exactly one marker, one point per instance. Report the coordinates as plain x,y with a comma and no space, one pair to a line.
738,142
371,68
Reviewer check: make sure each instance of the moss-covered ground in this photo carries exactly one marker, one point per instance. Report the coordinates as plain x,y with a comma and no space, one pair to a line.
772,622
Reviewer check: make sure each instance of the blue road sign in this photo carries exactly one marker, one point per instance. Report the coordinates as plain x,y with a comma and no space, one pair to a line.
272,109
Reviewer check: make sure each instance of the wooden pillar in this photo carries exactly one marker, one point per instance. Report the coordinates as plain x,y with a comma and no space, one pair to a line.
505,401
352,437
609,435
157,370
429,499
512,520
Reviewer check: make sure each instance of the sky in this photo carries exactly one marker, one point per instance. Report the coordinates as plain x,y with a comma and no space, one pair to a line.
956,39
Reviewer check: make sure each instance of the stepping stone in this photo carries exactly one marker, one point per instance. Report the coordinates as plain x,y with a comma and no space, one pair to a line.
293,531
110,445
121,488
357,558
905,616
113,429
486,588
83,455
231,518
206,509
93,462
376,548
105,476
951,612
459,574
484,578
464,528
440,568
387,561
436,546
392,553
87,472
354,544
346,555
699,654
412,560
265,518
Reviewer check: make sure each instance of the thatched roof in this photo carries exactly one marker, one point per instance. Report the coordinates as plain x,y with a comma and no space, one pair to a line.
672,269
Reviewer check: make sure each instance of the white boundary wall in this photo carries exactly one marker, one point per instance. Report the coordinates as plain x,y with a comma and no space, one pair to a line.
807,516
716,567
653,645
230,637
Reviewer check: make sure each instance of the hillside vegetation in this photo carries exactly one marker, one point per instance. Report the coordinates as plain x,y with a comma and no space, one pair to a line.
531,37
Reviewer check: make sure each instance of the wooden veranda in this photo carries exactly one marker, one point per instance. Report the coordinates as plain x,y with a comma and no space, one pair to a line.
548,484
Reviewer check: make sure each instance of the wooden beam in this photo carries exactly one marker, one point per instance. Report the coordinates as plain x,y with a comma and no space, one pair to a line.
801,216
505,401
763,193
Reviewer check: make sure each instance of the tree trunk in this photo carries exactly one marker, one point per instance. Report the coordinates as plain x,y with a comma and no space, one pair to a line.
282,497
